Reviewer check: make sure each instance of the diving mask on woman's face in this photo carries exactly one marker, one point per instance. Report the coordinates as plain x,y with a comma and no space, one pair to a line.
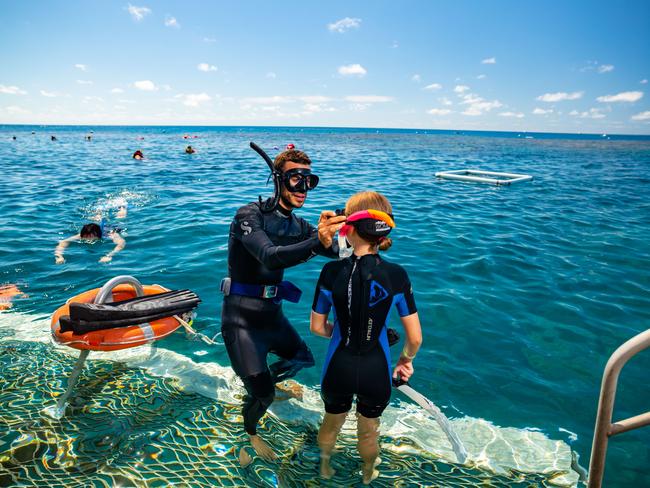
299,180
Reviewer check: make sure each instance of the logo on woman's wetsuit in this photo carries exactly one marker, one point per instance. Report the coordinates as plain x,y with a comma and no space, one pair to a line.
377,293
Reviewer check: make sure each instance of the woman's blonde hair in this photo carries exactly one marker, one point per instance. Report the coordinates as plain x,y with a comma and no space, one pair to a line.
367,200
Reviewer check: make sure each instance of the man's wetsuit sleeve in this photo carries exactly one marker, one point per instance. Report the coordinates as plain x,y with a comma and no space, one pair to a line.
323,296
249,229
404,299
328,252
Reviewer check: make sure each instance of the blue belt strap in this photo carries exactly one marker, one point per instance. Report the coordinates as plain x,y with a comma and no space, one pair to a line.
283,291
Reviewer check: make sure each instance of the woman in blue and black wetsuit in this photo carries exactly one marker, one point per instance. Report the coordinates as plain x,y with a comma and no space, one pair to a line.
362,289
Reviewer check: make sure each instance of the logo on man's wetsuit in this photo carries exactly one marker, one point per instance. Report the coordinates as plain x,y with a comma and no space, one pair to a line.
377,293
246,228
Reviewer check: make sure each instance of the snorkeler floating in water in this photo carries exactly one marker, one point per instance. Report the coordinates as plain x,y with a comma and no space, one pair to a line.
265,238
94,232
362,288
189,150
53,138
138,155
7,294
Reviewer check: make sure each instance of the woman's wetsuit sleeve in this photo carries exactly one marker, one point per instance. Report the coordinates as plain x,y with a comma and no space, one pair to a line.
249,230
323,295
404,299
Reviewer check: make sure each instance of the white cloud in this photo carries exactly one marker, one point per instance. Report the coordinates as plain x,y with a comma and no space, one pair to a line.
368,99
445,101
194,99
352,70
489,61
592,113
117,90
172,22
359,107
310,108
631,96
433,86
12,90
479,107
266,100
15,110
517,115
541,111
138,13
205,67
461,88
395,45
82,67
481,77
48,94
271,75
605,68
145,85
470,98
439,111
643,81
416,78
314,99
560,96
84,82
209,39
642,116
344,24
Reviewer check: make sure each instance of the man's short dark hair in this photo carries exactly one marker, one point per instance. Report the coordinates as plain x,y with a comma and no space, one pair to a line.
292,155
91,230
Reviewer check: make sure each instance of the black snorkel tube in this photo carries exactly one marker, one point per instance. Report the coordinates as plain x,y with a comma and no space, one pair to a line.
271,203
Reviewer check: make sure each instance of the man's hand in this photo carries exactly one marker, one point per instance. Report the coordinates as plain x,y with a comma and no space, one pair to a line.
106,259
328,225
59,259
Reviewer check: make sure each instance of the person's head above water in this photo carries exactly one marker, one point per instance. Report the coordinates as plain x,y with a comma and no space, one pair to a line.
138,155
369,220
189,150
297,178
91,231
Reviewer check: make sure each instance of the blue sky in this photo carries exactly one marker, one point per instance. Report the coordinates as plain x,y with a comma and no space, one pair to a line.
500,65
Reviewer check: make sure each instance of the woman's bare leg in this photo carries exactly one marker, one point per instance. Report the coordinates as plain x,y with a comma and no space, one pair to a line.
368,446
329,431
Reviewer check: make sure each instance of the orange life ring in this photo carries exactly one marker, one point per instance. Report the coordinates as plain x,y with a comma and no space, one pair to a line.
120,337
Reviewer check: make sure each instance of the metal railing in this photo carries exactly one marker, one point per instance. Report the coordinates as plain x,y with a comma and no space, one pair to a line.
604,426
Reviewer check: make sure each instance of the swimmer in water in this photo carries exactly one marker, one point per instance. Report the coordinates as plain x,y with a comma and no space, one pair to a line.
362,290
138,155
189,150
94,232
7,294
53,138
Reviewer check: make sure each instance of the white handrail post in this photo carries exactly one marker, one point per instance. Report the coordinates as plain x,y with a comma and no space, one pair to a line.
603,428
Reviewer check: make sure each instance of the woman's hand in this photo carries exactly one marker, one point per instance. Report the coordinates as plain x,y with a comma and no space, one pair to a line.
106,259
404,368
59,259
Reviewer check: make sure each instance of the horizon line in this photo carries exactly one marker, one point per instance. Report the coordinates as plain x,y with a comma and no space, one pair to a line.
329,127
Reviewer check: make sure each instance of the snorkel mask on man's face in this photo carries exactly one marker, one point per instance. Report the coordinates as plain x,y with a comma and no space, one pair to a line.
371,225
299,180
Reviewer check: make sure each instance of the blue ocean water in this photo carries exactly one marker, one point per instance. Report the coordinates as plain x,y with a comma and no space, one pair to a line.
523,291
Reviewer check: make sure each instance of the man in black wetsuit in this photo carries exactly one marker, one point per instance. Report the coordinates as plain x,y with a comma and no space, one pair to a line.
265,238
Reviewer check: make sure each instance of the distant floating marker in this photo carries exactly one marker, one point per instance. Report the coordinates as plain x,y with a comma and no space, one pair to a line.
480,176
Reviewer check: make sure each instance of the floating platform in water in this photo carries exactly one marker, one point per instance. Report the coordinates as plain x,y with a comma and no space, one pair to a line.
481,176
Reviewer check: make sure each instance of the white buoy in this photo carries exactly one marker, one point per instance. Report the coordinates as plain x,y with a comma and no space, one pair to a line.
481,176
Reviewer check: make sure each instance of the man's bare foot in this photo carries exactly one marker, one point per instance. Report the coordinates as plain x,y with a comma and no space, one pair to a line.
262,448
290,389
